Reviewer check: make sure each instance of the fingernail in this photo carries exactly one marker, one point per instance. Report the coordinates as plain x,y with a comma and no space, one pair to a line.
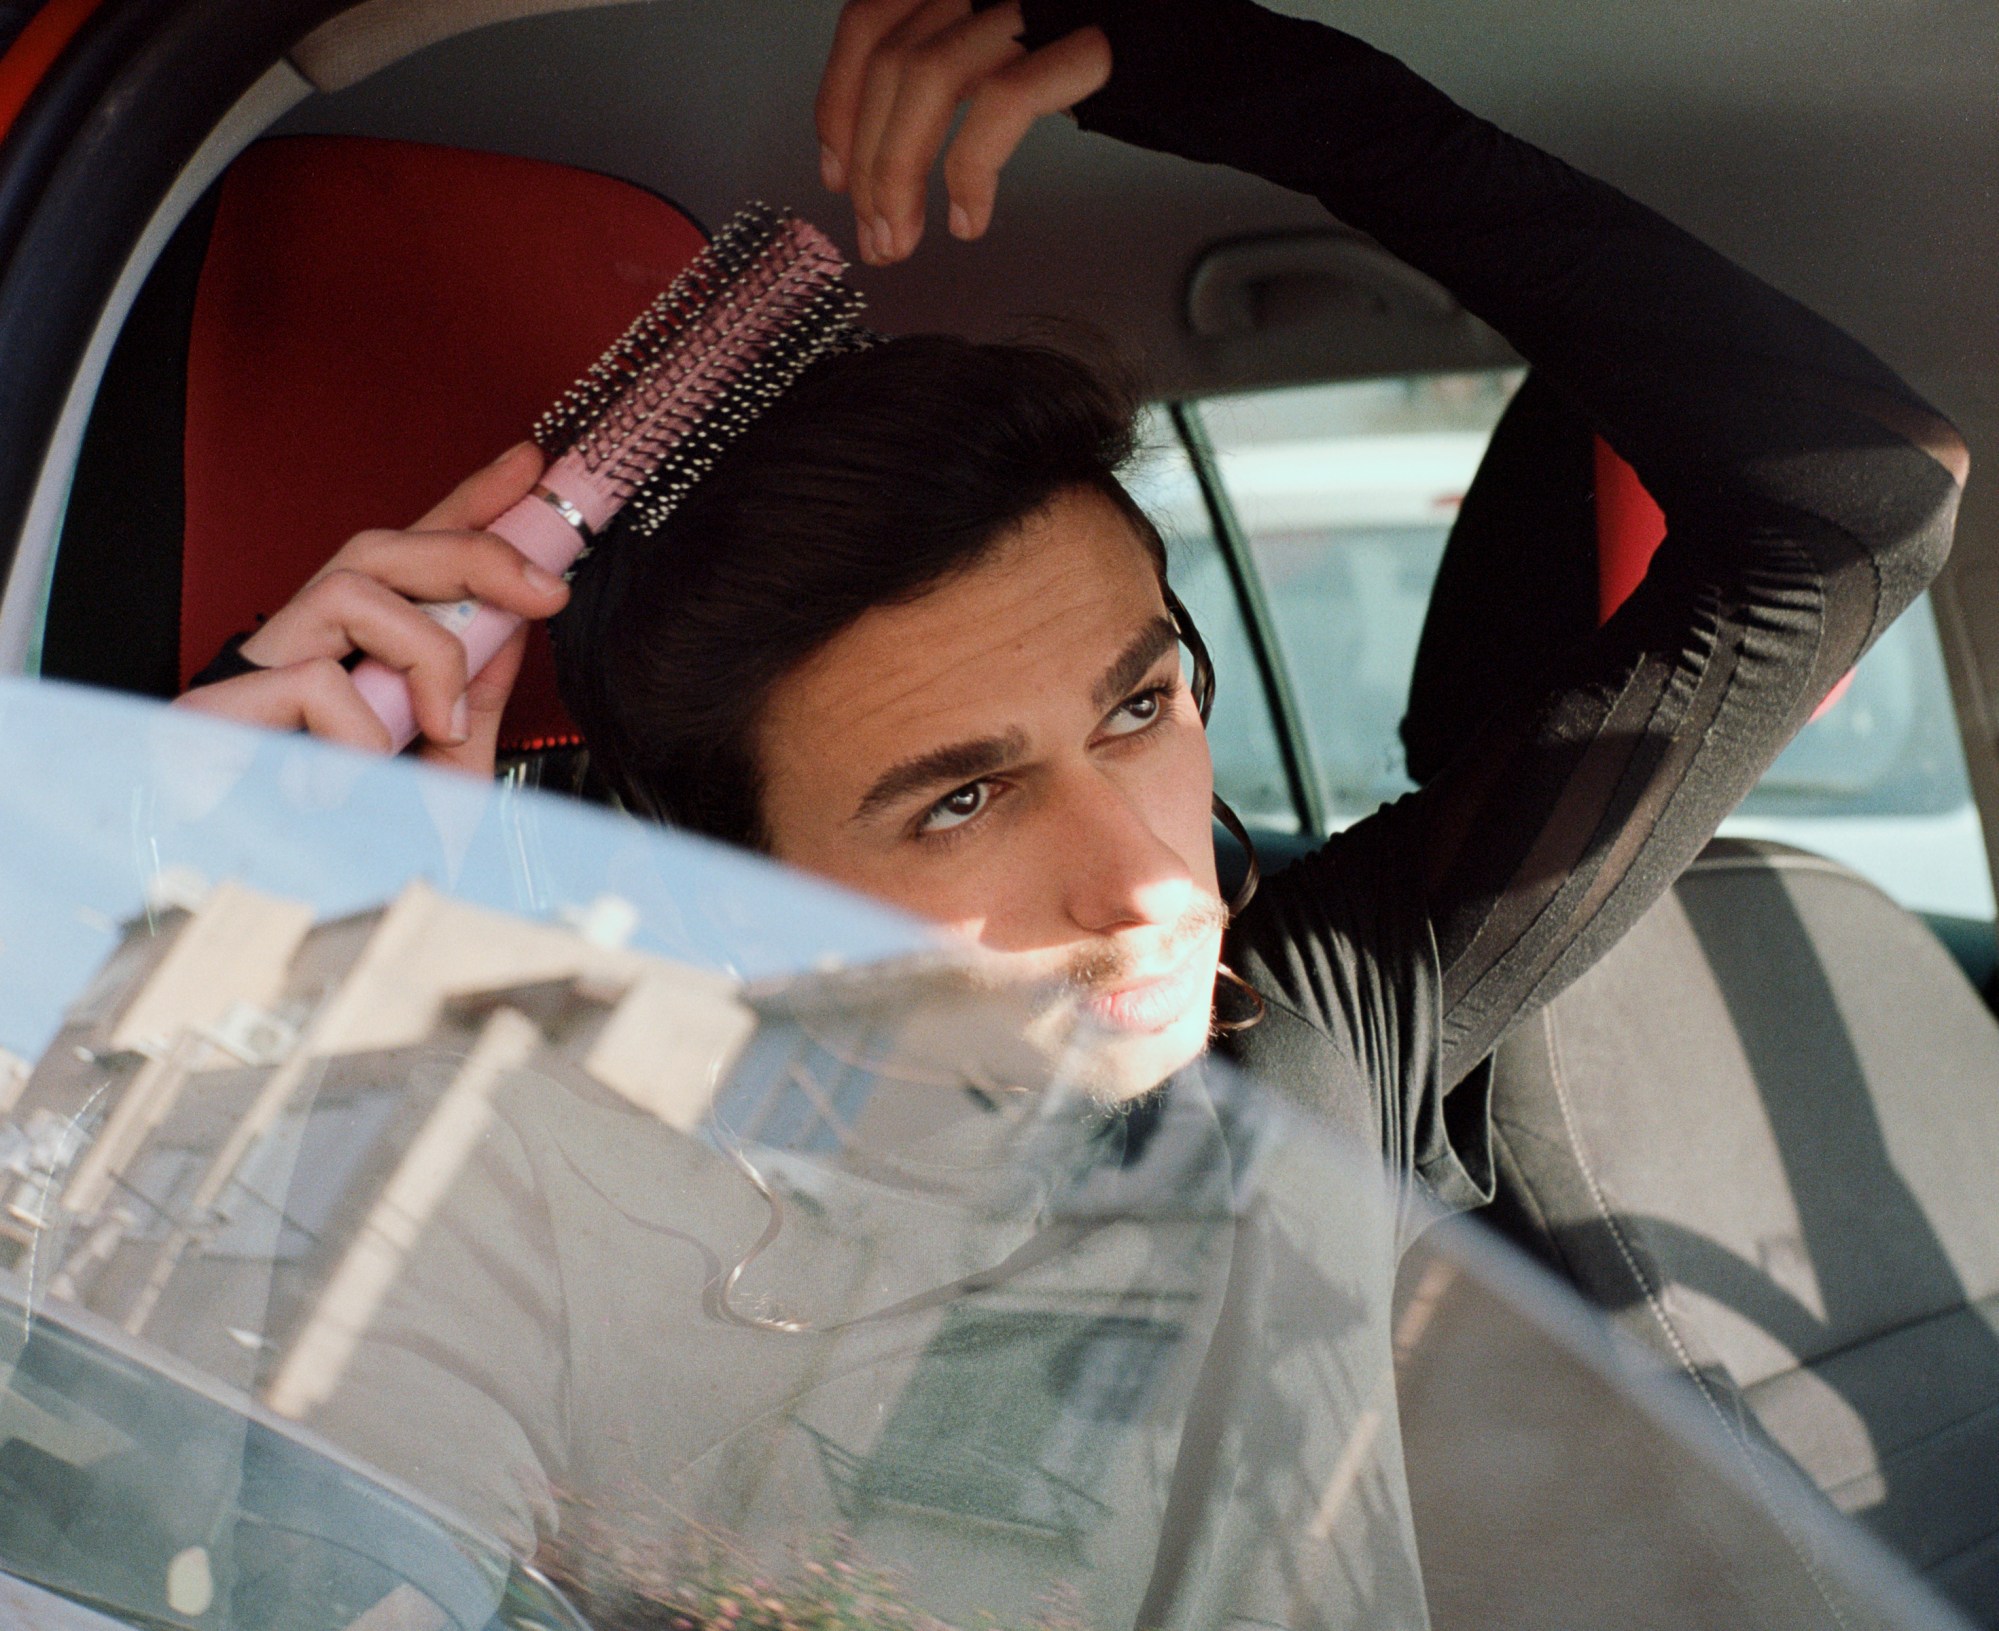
961,221
884,237
865,239
461,719
829,168
502,459
539,577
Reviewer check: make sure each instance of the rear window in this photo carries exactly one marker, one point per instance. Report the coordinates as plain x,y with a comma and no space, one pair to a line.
1344,495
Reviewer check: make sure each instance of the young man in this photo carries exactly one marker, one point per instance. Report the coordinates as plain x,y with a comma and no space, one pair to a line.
971,706
911,635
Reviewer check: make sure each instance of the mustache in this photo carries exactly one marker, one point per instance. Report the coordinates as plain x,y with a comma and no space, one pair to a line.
1099,967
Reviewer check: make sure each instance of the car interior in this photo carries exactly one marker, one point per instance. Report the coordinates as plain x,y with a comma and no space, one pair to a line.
298,275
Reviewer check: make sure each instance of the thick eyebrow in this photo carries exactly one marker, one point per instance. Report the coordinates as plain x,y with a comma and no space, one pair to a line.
961,762
1150,644
945,768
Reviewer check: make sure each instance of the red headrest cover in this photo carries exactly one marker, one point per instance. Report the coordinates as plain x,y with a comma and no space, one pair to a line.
376,320
1630,526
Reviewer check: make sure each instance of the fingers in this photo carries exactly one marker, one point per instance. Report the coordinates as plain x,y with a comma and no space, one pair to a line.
440,565
486,495
1004,108
863,25
898,73
913,90
485,702
351,611
319,696
361,601
892,62
316,696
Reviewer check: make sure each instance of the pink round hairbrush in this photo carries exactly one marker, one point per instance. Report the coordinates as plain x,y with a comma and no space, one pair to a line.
757,307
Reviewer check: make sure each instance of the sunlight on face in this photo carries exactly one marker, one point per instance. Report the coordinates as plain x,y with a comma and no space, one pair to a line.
1015,755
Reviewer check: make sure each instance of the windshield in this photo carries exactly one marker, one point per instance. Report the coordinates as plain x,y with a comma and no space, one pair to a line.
429,1204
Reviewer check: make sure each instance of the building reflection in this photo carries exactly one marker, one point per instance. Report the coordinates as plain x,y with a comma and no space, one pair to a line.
521,1216
240,1084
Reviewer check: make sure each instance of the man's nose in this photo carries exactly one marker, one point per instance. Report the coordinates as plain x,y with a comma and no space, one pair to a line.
1117,873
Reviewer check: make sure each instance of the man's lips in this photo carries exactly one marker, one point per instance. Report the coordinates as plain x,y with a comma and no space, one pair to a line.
1154,1004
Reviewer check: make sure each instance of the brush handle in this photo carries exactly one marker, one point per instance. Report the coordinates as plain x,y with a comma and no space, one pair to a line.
537,529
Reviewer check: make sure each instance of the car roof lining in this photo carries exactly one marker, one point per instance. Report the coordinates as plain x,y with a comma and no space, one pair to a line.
1783,140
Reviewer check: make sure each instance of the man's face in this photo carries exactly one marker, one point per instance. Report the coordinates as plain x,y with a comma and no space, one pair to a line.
1016,755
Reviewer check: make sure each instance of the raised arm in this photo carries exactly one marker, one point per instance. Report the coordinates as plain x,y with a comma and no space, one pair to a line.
1809,493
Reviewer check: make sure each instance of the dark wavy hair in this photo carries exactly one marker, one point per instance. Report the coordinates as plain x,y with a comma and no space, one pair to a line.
878,476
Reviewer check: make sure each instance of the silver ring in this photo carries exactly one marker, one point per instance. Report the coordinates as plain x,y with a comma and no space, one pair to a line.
568,511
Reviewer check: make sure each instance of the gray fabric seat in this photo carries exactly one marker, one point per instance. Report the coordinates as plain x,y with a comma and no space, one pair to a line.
1764,1134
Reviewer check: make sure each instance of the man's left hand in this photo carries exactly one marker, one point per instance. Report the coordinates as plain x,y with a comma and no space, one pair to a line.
899,72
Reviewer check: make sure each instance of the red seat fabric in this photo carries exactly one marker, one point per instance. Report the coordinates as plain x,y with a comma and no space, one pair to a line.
1630,527
375,320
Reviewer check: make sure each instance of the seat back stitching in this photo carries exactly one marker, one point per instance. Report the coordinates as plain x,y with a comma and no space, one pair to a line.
1656,1302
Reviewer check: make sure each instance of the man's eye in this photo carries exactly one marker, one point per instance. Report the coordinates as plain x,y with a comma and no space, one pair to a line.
1134,716
955,809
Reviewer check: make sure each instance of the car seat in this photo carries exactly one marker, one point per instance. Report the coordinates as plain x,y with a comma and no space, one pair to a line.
342,330
1763,1131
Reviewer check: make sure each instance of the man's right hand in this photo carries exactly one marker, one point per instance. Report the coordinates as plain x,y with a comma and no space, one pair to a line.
361,601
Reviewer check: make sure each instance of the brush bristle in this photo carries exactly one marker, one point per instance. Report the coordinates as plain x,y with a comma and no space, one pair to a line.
758,306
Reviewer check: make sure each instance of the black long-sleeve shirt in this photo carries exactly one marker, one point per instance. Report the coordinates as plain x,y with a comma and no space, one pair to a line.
1809,495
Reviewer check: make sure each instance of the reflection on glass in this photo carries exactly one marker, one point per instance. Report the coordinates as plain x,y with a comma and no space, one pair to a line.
534,1224
1061,1386
385,1249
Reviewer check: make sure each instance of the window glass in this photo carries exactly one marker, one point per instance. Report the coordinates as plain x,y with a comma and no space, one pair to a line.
1346,495
671,1242
1249,771
1878,780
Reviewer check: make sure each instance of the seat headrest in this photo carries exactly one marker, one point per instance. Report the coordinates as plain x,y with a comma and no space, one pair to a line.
375,320
1630,527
